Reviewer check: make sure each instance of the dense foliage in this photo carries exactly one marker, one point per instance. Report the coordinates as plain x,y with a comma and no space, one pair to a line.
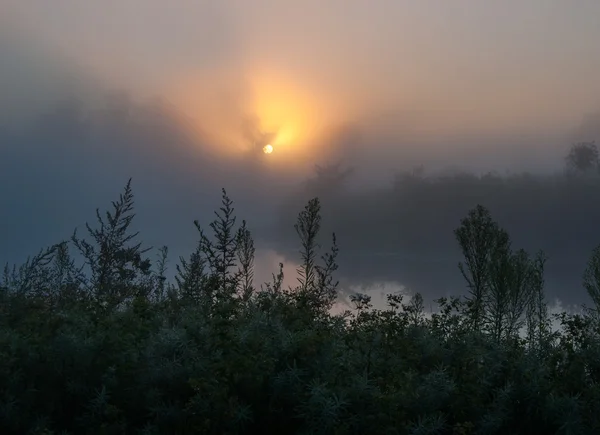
110,346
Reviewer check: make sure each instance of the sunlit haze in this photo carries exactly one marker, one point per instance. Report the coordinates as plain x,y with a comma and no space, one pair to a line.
215,177
188,96
412,71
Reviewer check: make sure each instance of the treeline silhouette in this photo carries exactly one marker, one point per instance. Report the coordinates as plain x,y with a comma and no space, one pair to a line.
110,346
402,231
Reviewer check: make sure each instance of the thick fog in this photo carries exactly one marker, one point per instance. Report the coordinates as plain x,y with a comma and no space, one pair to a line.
183,95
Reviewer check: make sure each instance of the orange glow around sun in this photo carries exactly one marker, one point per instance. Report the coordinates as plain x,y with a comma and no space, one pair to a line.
292,116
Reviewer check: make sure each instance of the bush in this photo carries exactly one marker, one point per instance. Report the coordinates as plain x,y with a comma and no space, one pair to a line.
111,347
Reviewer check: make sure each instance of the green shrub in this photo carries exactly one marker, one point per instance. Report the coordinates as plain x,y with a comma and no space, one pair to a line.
111,347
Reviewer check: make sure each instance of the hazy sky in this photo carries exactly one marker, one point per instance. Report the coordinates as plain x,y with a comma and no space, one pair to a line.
382,83
397,67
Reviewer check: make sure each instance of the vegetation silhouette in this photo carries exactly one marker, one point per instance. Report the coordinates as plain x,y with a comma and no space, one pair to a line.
399,232
111,346
392,232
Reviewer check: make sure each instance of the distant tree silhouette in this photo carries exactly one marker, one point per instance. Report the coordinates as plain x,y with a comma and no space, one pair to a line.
583,157
329,178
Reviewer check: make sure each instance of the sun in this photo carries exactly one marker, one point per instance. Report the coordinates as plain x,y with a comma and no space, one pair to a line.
268,149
